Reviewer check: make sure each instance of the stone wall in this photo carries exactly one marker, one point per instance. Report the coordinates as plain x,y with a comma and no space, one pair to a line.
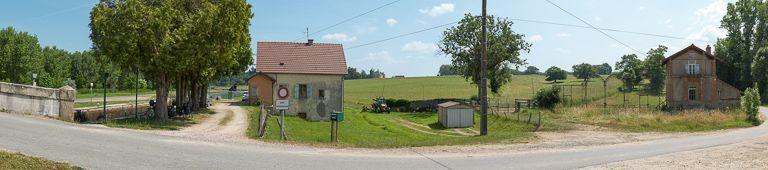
56,103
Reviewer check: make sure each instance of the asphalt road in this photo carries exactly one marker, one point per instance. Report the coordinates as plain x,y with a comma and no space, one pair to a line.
104,148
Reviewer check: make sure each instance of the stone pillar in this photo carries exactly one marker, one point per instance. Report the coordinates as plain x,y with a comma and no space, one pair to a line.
66,97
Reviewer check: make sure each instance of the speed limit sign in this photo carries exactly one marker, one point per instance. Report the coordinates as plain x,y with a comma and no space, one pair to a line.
282,92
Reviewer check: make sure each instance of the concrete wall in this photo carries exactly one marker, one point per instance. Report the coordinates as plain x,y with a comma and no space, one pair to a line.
56,103
118,111
315,108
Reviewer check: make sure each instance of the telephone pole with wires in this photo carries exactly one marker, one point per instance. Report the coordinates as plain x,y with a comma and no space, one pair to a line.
483,79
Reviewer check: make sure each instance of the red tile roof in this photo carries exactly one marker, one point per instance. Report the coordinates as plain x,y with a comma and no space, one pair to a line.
685,50
300,58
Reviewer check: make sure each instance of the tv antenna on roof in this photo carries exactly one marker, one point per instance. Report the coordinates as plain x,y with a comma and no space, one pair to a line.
307,33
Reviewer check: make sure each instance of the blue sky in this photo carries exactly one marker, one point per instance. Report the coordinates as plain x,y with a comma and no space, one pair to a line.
65,24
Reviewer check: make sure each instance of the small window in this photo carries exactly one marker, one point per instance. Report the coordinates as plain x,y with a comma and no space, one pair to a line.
692,69
302,91
691,93
321,94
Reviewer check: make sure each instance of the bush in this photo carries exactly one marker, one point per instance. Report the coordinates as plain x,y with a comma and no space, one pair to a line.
398,103
547,97
750,103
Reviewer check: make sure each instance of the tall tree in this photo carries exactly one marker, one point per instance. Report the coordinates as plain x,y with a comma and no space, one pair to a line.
56,67
531,70
555,73
584,71
653,69
760,73
603,69
171,39
463,44
19,56
629,69
747,31
447,69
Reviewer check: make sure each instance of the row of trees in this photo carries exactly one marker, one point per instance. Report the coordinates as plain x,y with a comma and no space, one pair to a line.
352,74
185,43
581,71
744,51
632,70
22,56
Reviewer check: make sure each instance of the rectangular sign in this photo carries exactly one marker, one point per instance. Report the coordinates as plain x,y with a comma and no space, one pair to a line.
281,104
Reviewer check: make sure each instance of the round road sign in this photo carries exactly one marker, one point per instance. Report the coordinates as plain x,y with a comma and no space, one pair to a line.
282,92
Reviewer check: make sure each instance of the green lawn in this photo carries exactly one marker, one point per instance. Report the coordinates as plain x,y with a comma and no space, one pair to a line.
157,124
85,93
19,161
387,130
397,129
90,104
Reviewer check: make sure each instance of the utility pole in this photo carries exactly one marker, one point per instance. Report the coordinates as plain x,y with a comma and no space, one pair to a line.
483,80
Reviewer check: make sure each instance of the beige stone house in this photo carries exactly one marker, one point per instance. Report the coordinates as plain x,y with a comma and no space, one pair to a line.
692,81
313,73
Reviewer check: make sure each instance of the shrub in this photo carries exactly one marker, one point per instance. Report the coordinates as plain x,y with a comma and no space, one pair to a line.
750,103
547,97
398,103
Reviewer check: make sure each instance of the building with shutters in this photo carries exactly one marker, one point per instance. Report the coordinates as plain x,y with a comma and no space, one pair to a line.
692,81
313,73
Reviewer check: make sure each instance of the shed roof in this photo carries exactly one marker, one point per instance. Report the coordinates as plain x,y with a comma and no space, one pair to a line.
300,58
452,104
689,48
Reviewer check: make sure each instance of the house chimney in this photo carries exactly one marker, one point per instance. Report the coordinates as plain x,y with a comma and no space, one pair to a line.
310,42
709,50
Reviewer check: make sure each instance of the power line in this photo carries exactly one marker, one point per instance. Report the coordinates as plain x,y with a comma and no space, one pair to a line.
401,35
593,27
538,22
349,19
610,29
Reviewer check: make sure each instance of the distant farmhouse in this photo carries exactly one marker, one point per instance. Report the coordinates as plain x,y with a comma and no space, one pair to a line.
692,81
313,73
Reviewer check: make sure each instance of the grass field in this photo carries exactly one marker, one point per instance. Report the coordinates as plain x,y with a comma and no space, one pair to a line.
418,88
19,161
388,130
175,123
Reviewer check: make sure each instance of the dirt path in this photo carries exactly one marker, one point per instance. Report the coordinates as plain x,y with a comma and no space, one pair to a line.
232,130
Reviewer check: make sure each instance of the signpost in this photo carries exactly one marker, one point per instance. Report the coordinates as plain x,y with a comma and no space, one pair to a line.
336,117
282,105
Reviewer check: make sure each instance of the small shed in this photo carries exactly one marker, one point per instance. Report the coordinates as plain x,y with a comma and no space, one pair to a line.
455,115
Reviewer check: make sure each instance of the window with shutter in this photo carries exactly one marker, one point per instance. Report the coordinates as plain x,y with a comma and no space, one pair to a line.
296,91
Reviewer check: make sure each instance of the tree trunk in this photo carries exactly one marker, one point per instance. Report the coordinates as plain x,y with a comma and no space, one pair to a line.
204,95
193,97
179,88
161,93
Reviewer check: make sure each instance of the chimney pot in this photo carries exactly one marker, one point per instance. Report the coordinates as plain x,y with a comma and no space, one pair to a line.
709,50
310,42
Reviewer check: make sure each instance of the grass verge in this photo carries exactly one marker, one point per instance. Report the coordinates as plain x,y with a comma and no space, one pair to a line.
19,161
175,123
649,120
388,131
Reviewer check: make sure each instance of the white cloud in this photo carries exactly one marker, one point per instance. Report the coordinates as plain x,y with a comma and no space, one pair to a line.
563,51
391,21
641,8
340,37
438,10
535,38
668,21
707,21
712,12
419,47
563,34
381,57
